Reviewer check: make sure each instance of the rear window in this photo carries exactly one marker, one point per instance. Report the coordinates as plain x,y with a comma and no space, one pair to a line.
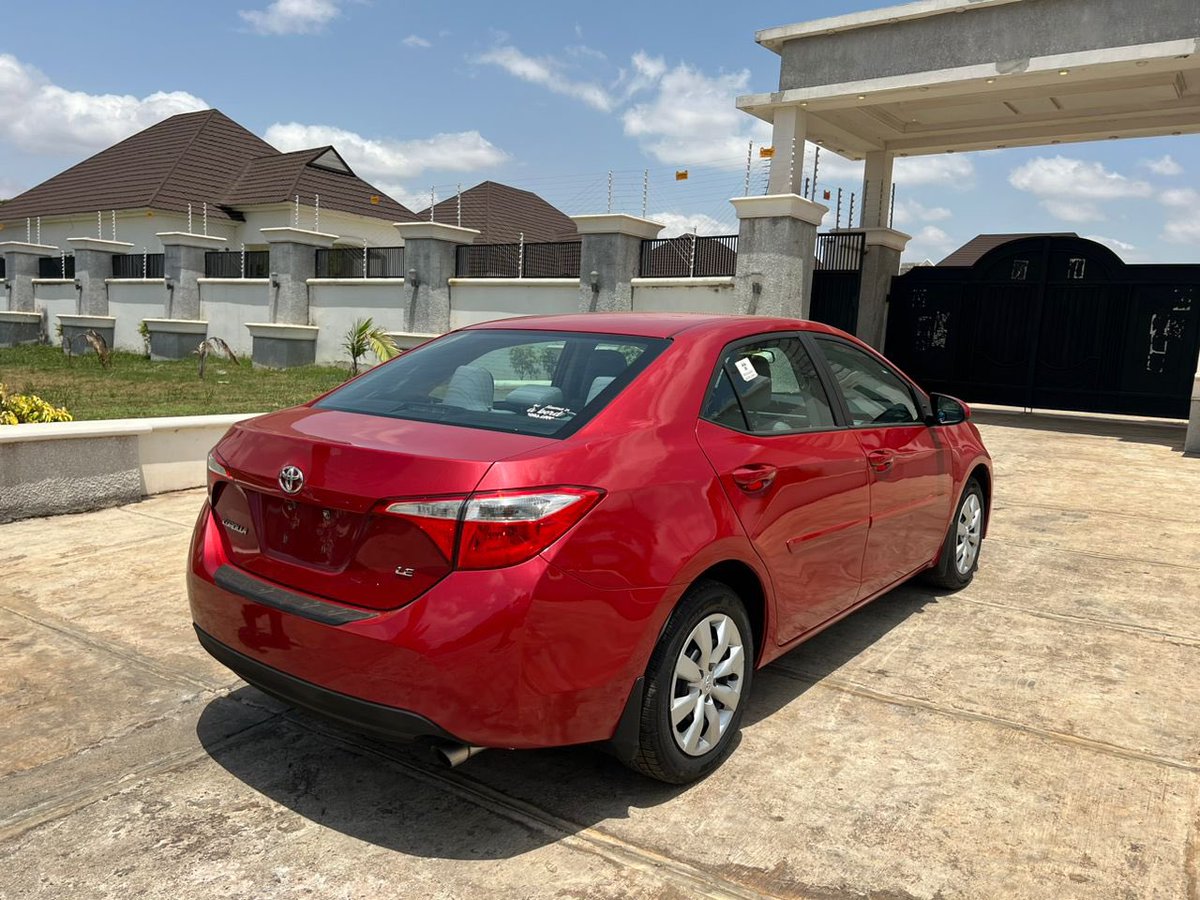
544,383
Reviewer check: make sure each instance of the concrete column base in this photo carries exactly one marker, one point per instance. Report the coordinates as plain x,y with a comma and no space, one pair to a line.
278,346
880,265
612,249
20,328
777,240
74,326
1191,443
175,338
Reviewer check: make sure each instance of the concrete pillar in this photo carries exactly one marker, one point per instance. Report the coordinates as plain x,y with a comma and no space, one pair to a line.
880,265
93,268
612,250
429,261
788,131
777,240
877,189
293,262
20,268
183,266
1191,443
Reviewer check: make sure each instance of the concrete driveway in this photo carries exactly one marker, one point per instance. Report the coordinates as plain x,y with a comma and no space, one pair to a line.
1036,735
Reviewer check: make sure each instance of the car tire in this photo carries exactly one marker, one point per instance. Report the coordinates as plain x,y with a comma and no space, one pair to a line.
959,558
691,711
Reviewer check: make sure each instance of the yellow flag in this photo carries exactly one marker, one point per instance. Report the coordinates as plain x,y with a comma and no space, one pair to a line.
766,152
681,174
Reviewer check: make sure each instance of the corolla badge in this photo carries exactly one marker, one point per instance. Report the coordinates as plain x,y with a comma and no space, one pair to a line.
291,479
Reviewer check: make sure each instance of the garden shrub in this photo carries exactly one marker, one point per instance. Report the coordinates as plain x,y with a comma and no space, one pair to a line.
16,409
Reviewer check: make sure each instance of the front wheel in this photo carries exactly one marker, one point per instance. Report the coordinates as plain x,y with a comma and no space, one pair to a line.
959,558
698,682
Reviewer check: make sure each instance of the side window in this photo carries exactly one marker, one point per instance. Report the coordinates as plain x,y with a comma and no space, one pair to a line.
875,394
770,387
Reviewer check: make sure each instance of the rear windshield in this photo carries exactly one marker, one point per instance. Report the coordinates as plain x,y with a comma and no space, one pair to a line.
547,383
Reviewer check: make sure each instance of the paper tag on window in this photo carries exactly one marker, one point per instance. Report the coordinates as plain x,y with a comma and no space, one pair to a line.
746,369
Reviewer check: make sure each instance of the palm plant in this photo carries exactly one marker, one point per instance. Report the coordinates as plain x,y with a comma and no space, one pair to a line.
366,337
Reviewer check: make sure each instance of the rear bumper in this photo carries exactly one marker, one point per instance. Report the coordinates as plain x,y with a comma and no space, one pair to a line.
363,715
521,657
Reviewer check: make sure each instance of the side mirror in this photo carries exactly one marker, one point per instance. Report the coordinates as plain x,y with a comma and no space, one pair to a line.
947,410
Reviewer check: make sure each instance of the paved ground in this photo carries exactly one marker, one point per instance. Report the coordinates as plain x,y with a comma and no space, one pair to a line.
1034,736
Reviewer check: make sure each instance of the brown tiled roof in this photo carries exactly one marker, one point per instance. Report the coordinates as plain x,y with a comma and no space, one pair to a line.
501,213
196,158
975,249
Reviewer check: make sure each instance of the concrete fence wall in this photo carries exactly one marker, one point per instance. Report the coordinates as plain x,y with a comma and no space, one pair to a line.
130,301
52,298
474,300
227,304
702,295
335,304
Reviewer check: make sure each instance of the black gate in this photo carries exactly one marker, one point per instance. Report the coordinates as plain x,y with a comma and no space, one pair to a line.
837,277
1051,322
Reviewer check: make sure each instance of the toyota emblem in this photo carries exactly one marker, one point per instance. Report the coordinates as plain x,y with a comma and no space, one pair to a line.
291,479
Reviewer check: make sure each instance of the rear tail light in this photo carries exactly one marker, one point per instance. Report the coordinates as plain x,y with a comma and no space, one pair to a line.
500,528
216,471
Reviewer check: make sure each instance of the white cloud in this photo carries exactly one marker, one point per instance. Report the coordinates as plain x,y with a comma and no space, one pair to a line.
1072,189
547,73
415,40
1079,211
1180,197
1166,165
930,243
675,224
388,158
1128,252
1184,230
912,211
42,117
292,16
949,170
692,118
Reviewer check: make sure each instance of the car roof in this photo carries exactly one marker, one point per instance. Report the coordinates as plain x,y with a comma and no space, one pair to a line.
655,325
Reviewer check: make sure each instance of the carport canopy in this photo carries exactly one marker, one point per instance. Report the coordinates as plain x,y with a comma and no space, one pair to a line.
943,76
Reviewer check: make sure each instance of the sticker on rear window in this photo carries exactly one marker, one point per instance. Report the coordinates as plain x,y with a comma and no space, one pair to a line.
746,369
538,411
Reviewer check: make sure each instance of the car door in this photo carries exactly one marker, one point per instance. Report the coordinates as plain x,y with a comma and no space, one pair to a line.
909,463
797,480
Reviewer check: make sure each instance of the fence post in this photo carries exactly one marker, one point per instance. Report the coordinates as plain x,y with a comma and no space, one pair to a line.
429,257
19,323
777,237
612,249
183,267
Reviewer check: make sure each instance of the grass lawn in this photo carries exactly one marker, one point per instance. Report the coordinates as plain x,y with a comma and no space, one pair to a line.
133,386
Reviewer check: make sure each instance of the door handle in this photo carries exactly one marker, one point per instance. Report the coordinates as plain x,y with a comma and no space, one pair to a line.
881,460
754,478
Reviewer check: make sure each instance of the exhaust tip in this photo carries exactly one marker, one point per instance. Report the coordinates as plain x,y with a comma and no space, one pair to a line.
454,755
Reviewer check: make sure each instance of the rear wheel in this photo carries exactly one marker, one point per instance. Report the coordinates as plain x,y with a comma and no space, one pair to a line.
960,552
697,685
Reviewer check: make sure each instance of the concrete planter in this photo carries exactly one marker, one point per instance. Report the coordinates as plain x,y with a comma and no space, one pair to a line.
278,346
175,338
74,326
20,328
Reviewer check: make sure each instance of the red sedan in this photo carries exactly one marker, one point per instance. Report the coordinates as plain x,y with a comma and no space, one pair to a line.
578,529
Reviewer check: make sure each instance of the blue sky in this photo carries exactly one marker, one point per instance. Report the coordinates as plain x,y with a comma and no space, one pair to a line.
546,96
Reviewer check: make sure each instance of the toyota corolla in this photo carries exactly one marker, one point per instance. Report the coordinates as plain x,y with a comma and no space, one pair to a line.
578,529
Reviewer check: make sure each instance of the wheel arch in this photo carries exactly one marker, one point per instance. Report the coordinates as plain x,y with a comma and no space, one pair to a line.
744,581
981,473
